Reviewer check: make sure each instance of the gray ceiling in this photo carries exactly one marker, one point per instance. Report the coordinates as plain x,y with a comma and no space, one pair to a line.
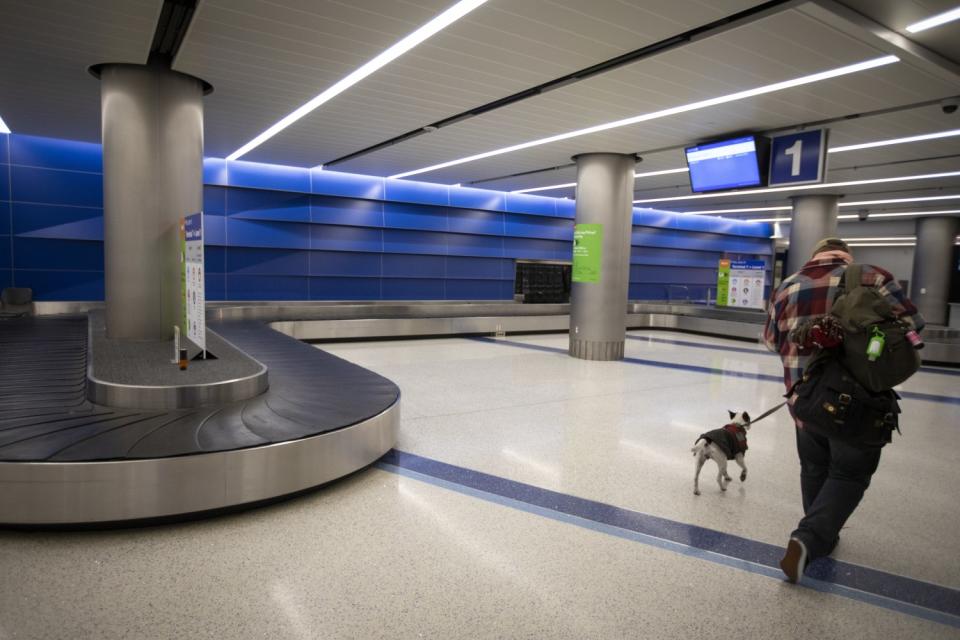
265,58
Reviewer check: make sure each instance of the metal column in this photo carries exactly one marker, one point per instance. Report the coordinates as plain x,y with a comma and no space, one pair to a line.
152,175
814,218
598,309
930,289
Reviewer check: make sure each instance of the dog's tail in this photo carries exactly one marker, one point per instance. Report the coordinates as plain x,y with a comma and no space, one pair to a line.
698,447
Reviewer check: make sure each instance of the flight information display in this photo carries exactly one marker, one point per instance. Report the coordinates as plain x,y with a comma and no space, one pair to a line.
727,164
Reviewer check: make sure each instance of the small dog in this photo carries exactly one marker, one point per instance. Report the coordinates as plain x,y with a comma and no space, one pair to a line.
726,443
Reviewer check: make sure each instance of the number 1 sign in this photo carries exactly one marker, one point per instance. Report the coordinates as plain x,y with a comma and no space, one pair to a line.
798,158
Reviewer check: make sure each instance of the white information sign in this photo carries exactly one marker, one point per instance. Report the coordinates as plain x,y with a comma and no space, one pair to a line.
744,283
194,307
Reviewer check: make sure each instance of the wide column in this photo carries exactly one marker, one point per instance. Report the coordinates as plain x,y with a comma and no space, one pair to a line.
152,175
932,259
814,218
598,302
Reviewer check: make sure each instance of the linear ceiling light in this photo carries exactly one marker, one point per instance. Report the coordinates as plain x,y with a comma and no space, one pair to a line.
885,143
805,187
746,210
881,239
663,113
439,23
881,244
573,184
767,220
861,203
935,21
902,214
3,127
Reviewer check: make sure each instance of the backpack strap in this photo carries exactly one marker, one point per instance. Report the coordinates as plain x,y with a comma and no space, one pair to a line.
853,272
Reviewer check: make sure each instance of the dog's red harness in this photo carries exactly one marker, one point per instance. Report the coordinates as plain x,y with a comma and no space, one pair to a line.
731,438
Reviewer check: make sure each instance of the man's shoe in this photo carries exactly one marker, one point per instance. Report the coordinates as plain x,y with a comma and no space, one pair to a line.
794,561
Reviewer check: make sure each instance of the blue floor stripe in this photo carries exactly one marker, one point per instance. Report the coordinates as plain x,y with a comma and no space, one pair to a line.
890,591
912,395
759,352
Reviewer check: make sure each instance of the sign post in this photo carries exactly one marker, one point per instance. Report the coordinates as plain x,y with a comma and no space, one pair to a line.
587,252
193,320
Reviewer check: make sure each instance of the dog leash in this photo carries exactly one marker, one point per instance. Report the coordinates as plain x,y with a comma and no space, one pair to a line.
767,413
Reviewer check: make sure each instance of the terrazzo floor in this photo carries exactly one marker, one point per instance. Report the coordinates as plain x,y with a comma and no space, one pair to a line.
384,554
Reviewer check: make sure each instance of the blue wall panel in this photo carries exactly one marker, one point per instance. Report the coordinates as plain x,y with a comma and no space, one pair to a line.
476,222
44,253
417,192
484,246
253,204
214,259
214,229
276,232
344,288
242,287
255,175
347,185
399,241
333,238
475,290
538,249
406,266
412,289
57,222
6,278
525,226
257,233
477,268
56,187
62,285
278,262
215,286
469,198
537,205
346,211
401,215
5,147
50,153
341,263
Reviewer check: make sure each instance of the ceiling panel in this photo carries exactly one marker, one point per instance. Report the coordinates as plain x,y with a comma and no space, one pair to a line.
767,51
897,14
267,58
46,47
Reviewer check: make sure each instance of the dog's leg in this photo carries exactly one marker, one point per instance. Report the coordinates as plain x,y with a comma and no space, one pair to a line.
696,474
722,477
743,465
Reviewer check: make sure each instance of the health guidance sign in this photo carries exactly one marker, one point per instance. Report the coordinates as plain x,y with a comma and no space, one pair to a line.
740,283
193,322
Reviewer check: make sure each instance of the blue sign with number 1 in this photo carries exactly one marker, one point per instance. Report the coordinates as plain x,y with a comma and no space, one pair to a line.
798,158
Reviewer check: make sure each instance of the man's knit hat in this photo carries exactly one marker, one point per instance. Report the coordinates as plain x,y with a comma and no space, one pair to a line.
831,244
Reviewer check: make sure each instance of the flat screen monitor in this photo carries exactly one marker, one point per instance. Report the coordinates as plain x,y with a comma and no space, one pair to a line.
727,164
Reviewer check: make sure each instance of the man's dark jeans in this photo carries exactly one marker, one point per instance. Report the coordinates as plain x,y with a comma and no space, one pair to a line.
833,478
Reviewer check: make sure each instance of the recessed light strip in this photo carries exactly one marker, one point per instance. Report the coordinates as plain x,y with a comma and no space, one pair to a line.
693,106
935,21
3,127
885,143
897,200
805,187
439,23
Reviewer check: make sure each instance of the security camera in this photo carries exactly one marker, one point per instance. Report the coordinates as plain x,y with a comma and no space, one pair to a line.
863,214
950,105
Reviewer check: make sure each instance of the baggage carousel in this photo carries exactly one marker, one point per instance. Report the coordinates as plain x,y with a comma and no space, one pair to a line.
70,459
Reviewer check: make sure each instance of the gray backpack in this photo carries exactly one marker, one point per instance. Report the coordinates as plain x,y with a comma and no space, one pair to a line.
876,349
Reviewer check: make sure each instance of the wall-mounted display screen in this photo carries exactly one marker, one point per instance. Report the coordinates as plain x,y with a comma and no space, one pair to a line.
728,164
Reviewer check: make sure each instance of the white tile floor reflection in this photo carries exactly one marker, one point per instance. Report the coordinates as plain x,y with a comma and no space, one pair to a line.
380,555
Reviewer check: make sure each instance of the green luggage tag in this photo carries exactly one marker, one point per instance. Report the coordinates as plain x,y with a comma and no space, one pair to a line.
875,346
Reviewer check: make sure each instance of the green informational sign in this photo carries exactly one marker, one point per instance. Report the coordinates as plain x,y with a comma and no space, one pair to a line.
587,252
723,284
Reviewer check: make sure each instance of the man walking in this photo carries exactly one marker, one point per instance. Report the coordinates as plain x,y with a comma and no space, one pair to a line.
833,474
